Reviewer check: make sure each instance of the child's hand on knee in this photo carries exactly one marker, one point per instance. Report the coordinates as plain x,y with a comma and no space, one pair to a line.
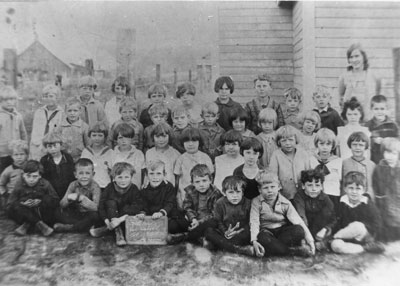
156,215
232,231
258,248
195,223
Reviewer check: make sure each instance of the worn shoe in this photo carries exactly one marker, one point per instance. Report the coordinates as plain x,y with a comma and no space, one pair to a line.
44,228
176,238
245,250
60,227
99,231
374,247
119,237
22,229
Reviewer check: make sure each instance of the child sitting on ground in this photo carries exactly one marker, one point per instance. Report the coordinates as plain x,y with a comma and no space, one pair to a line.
192,142
118,200
73,129
199,202
386,183
310,123
380,126
210,130
120,88
329,164
314,206
33,201
46,119
78,207
159,199
267,121
358,221
231,213
275,226
358,143
158,113
239,121
58,166
100,154
252,151
162,151
181,118
226,163
291,111
12,173
186,92
289,160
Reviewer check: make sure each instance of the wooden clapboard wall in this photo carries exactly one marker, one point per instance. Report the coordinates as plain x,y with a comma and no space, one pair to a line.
376,25
255,37
298,45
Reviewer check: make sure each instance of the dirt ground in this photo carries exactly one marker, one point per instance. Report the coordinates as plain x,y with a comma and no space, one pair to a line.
77,259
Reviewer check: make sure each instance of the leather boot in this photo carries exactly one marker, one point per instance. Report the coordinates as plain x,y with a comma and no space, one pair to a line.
44,228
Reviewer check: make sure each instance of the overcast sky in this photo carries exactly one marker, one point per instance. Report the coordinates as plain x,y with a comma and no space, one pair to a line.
75,31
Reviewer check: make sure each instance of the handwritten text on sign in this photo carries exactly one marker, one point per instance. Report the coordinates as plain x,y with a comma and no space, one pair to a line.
147,231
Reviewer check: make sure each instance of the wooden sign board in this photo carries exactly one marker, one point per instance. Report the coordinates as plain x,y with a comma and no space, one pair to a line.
146,232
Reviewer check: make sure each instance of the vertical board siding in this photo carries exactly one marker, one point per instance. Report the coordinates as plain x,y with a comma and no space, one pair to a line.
376,25
255,37
298,45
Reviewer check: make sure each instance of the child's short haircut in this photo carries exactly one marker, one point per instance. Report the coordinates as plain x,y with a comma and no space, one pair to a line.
210,108
390,144
357,137
185,87
123,129
354,178
312,116
239,113
162,129
84,162
200,170
262,77
19,145
322,90
325,135
252,143
180,109
153,165
121,167
231,136
7,92
121,81
71,101
32,166
284,132
157,88
268,115
128,103
352,104
233,182
98,127
160,109
312,175
51,89
267,177
87,80
378,99
224,80
192,134
53,137
293,93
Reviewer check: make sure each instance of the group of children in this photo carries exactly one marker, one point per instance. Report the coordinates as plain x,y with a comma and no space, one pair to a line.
260,180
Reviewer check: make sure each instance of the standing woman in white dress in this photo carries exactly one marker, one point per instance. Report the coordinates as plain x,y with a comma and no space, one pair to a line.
358,81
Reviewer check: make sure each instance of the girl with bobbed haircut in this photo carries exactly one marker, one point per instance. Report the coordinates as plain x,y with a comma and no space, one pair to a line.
162,129
185,87
224,80
121,81
325,135
358,137
192,134
252,143
157,88
286,131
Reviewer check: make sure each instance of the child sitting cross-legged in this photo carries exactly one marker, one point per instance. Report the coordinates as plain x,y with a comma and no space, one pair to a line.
78,207
33,201
314,206
276,227
159,199
358,220
118,200
199,202
232,215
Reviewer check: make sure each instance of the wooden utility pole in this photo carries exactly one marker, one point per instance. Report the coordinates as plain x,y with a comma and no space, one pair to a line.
10,66
190,75
89,67
175,77
126,52
396,67
158,73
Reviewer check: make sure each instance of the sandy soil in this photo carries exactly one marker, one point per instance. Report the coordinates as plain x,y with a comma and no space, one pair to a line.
77,259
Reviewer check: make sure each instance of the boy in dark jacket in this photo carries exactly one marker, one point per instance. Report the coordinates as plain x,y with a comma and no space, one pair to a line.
118,200
358,220
199,201
33,201
58,165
